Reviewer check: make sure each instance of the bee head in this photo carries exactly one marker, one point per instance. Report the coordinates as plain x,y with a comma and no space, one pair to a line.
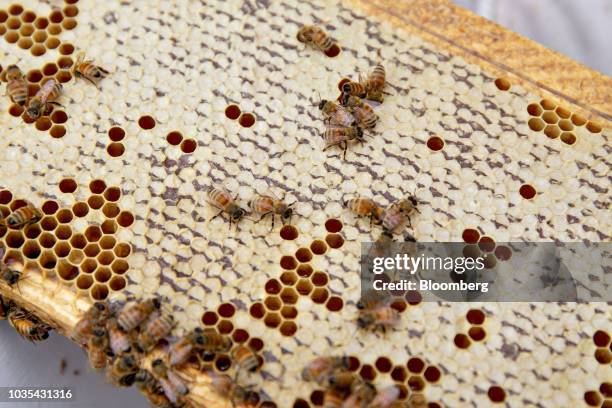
364,321
33,110
322,103
359,132
156,303
44,335
11,222
360,305
346,87
287,214
13,72
238,214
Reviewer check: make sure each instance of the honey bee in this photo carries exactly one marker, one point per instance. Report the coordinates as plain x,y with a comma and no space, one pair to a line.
361,397
377,317
316,36
333,398
82,331
238,395
23,216
416,400
364,114
11,271
3,309
151,388
26,325
182,349
375,84
157,327
130,317
86,69
16,85
341,136
245,359
336,114
398,215
215,342
269,204
366,207
98,348
319,369
174,388
120,341
223,201
341,380
123,371
47,94
386,397
354,89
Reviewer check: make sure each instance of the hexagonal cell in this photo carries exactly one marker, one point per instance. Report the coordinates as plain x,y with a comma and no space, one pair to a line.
67,185
272,319
80,209
115,149
47,240
593,127
566,125
75,256
99,292
174,138
527,191
110,210
432,374
59,116
502,84
606,389
550,117
146,122
602,355
52,43
552,131
32,231
225,327
257,310
240,336
383,364
109,227
415,365
304,287
210,318
536,124
289,232
11,37
496,394
334,304
288,262
63,76
547,104
188,146
367,372
97,186
288,278
25,43
93,233
568,138
333,225
319,295
48,260
246,120
334,240
289,312
578,120
120,266
226,310
475,316
435,143
273,287
48,223
102,274
37,50
68,272
107,242
117,283
232,112
105,257
13,23
112,194
95,202
26,30
125,219
43,124
288,328
16,110
319,278
89,265
416,383
92,250
304,270
592,398
41,23
223,363
601,338
462,341
39,36
122,250
289,296
399,374
303,255
400,305
69,23
273,303
49,207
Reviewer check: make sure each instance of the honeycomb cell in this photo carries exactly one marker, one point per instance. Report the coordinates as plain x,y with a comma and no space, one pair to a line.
117,283
225,327
592,398
21,203
99,292
246,120
601,338
125,219
69,23
115,149
39,36
109,227
502,84
383,364
415,365
70,10
288,262
105,257
552,131
95,202
120,266
477,333
146,122
289,296
107,242
606,389
319,295
602,355
188,146
289,232
475,316
304,270
102,275
288,328
334,240
547,104
16,110
48,260
52,43
32,231
319,278
462,341
432,374
54,29
210,318
68,272
48,223
50,69
566,125
59,117
240,336
534,109
578,120
333,225
28,16
273,287
43,124
41,23
400,305
92,250
56,16
25,43
84,282
527,191
399,374
273,303
116,134
562,112
232,112
174,138
416,383
272,319
333,51
57,131
367,372
289,312
11,37
435,143
26,30
550,117
75,256
67,185
80,209
318,247
13,23
303,255
257,310
5,197
89,265
536,124
110,210
38,50
568,138
97,186
496,394
122,250
78,241
288,278
47,240
316,397
64,216
593,127
304,287
63,76
93,233
226,310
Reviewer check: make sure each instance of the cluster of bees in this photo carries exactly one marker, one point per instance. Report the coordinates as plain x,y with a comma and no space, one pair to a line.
25,324
50,91
118,339
345,389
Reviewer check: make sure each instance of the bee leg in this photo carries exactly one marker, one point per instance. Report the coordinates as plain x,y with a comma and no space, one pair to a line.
345,149
220,212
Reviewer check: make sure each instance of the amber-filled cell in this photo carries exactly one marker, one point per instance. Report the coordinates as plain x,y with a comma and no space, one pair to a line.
48,223
32,231
32,250
333,225
416,383
592,398
92,250
146,122
117,283
273,287
93,233
115,149
68,272
57,131
319,279
26,30
475,316
112,194
16,110
334,240
568,138
110,210
601,338
246,120
289,296
232,112
288,278
97,186
333,51
174,138
43,124
593,127
226,310
496,394
304,287
303,255
120,266
67,185
54,29
272,319
432,374
257,310
566,125
240,336
548,104
125,219
210,318
552,131
383,364
319,295
78,241
80,209
304,270
318,247
536,124
578,120
225,327
289,232
462,341
289,312
435,143
288,328
502,84
188,146
399,374
122,250
99,292
39,36
95,202
415,365
273,303
527,191
534,109
11,37
102,275
477,333
48,260
69,23
47,240
367,372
